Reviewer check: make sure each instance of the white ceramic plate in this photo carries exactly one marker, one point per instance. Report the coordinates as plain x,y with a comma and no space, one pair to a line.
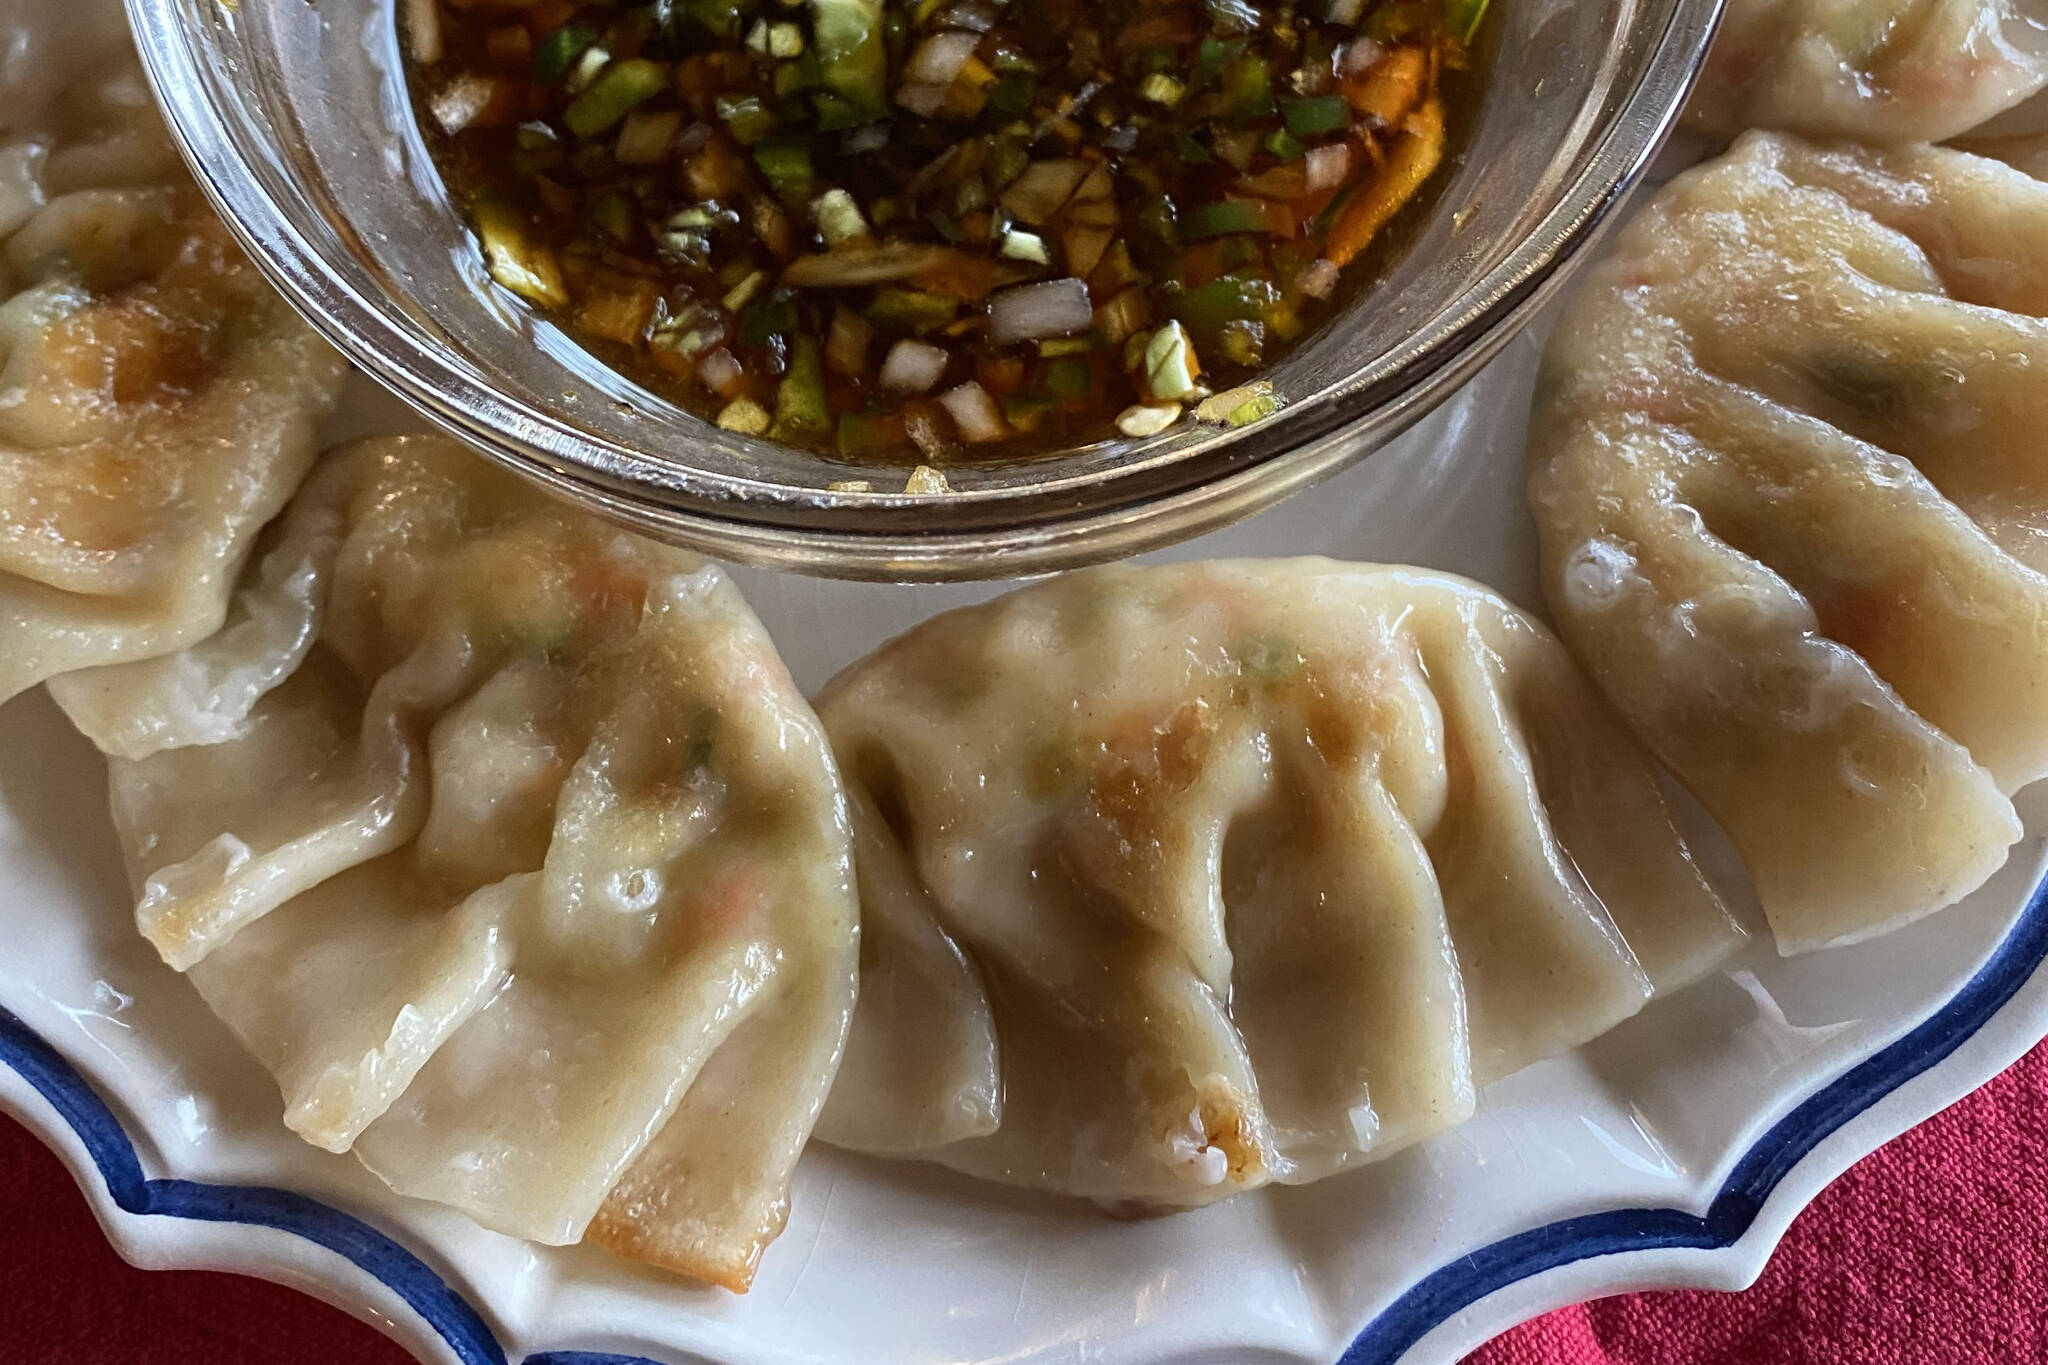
1672,1152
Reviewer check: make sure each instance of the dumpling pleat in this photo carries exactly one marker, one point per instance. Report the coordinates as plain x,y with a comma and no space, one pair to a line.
709,1191
1338,933
926,1073
532,1110
1544,967
1611,819
346,991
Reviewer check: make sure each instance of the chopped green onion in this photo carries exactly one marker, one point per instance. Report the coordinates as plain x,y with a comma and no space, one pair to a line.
774,316
1011,94
745,117
1235,297
1019,245
800,407
1069,378
613,214
1212,56
908,310
745,416
1161,88
1170,366
838,218
1240,406
1237,215
1461,18
851,58
1315,116
786,162
745,292
1284,145
513,258
621,88
554,54
1247,92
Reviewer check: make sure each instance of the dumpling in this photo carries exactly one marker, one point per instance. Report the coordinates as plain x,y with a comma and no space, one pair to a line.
504,839
1176,881
1787,464
157,399
1875,70
47,45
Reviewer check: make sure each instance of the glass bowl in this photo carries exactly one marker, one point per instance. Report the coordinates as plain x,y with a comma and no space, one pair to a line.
297,118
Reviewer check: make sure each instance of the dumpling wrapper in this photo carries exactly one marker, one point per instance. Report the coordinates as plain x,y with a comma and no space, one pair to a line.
1884,71
157,399
1180,880
504,839
1787,460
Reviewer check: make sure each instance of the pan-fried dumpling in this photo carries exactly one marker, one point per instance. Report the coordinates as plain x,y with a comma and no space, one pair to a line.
1787,462
157,399
504,839
1875,70
1180,880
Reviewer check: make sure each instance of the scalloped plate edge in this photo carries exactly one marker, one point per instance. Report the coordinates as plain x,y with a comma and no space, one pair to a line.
1990,1022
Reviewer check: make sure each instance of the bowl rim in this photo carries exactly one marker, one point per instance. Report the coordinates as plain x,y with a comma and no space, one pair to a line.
1194,486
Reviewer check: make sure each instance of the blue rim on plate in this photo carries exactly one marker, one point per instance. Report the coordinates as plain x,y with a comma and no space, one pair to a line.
1421,1308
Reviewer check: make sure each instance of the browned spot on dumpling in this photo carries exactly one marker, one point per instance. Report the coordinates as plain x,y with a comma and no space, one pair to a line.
152,342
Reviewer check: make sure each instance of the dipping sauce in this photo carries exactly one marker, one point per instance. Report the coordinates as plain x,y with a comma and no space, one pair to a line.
924,230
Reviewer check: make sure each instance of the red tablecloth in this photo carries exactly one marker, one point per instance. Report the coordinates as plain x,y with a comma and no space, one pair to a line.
1934,1251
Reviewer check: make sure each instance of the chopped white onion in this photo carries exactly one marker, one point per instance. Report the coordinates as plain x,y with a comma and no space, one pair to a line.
1146,419
869,137
692,139
1032,312
1359,56
975,413
939,58
423,30
923,100
720,371
1318,280
457,104
913,366
1327,166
